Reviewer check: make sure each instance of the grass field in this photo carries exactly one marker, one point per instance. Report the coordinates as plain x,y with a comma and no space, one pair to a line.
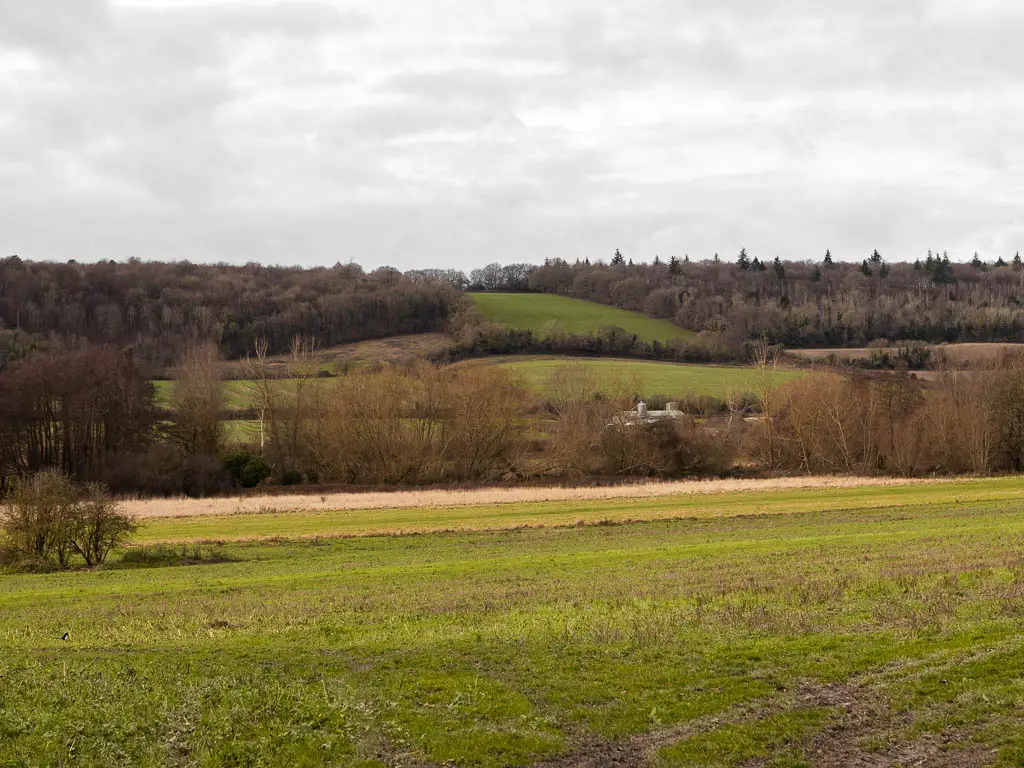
648,377
873,626
237,393
542,312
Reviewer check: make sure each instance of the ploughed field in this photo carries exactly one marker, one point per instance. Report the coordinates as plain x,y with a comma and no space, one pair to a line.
875,625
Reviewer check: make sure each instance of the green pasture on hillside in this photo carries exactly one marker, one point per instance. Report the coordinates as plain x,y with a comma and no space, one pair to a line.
877,629
648,378
543,312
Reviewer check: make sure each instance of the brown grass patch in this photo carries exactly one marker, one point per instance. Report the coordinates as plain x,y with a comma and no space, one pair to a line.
394,349
153,508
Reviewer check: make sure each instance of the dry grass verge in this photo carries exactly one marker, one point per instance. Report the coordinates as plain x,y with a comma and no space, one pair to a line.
161,508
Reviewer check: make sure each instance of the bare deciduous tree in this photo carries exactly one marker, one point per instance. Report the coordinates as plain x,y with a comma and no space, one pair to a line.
197,402
98,525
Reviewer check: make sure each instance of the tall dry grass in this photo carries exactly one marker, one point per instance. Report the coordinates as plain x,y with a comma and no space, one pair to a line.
152,508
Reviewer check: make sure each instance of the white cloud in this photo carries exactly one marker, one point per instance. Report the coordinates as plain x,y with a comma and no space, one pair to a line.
451,133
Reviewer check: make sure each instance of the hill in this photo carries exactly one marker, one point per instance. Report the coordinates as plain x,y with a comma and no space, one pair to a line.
544,313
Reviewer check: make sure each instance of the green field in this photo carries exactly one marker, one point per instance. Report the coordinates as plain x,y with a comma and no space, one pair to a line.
237,393
649,377
867,626
646,377
543,312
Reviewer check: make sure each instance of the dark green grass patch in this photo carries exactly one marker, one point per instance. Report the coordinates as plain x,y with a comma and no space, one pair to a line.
165,555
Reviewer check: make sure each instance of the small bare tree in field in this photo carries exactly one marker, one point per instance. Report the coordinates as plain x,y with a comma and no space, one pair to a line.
37,517
48,518
98,525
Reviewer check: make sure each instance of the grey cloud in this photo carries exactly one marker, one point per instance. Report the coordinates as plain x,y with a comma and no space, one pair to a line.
51,27
449,136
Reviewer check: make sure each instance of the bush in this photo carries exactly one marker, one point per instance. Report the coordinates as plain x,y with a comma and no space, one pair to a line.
98,526
291,477
248,470
38,517
47,519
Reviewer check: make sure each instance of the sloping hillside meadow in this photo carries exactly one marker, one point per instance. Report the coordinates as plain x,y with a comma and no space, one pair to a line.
545,313
647,378
879,626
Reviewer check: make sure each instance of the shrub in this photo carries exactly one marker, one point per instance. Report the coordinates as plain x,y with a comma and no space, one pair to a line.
47,519
98,526
291,477
247,470
256,471
37,518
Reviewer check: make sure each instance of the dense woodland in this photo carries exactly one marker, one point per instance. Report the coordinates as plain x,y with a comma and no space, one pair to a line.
157,310
799,304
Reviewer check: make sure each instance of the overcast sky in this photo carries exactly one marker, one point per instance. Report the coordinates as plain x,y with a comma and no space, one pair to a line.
452,133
